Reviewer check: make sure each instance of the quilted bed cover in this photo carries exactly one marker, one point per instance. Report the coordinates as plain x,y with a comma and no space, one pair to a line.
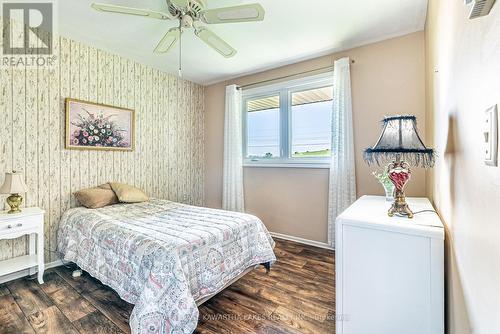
162,256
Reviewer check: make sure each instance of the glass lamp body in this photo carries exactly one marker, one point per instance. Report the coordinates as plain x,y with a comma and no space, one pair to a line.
399,174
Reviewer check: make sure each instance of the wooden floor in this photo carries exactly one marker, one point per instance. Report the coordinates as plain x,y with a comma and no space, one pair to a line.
297,296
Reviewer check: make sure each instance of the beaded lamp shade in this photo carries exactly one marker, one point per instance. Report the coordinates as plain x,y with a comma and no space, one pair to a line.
400,140
401,145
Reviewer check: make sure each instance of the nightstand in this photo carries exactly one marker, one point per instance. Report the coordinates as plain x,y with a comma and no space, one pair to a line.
389,270
28,222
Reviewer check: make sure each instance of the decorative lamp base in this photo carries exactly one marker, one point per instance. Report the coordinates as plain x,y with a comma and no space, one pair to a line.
399,174
399,206
14,201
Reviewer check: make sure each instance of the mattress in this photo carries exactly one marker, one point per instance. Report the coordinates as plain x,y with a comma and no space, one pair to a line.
163,256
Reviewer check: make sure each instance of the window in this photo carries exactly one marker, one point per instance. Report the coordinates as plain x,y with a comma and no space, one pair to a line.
311,122
289,123
263,124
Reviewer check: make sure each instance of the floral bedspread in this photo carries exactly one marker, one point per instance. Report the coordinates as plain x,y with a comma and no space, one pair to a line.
162,256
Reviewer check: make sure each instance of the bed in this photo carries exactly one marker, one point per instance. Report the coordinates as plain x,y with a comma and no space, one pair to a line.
164,257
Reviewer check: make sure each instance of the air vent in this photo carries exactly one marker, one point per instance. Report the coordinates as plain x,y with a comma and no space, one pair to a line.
480,8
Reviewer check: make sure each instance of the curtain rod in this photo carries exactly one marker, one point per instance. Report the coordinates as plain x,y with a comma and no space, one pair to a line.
318,71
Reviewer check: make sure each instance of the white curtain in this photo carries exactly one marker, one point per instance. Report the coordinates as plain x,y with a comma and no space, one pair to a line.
342,191
232,187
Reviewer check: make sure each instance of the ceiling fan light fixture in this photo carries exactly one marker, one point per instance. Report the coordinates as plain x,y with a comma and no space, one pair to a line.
216,42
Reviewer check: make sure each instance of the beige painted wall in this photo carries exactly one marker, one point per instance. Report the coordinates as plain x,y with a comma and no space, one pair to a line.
168,158
387,78
463,79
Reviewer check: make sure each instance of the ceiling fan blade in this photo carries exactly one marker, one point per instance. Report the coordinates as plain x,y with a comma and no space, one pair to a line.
130,11
168,41
180,3
215,42
243,13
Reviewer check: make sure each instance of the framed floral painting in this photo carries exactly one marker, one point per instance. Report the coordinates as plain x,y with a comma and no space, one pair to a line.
95,126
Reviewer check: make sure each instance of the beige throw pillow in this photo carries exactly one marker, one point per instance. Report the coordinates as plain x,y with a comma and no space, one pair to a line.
128,194
97,197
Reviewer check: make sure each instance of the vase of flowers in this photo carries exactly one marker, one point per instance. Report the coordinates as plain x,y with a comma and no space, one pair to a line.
384,179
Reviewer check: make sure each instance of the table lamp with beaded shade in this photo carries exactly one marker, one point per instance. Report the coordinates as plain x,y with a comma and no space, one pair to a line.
400,145
14,185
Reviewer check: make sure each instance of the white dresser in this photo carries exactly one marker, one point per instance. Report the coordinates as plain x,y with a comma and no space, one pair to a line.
389,271
28,222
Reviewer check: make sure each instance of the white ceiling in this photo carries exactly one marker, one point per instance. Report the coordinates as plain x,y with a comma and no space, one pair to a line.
293,30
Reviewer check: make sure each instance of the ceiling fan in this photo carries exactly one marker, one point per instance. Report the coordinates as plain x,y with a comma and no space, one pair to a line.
190,13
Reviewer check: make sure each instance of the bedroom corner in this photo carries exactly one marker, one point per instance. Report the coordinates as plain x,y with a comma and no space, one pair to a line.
169,133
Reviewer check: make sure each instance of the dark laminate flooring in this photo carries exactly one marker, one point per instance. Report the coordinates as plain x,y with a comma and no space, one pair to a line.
297,296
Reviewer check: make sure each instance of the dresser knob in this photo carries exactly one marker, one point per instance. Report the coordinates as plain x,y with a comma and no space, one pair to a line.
9,226
19,224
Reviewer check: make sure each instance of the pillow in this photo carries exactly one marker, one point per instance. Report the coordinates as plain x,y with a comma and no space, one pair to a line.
96,197
106,186
128,194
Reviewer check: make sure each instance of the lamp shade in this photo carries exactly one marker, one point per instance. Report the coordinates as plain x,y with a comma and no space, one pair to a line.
13,184
400,141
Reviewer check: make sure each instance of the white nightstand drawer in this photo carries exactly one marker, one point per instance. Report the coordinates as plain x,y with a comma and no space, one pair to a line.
18,225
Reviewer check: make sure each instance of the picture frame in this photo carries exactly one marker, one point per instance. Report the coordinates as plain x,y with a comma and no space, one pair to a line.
95,126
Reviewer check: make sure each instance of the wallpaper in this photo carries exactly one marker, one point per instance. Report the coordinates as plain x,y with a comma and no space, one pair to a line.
168,160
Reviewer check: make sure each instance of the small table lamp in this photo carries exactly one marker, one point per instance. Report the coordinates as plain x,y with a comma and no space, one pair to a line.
401,144
14,184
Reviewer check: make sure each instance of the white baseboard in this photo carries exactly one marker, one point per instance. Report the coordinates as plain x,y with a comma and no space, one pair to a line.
301,240
25,272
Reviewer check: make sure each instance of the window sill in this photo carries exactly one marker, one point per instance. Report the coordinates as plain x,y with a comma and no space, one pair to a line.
287,165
